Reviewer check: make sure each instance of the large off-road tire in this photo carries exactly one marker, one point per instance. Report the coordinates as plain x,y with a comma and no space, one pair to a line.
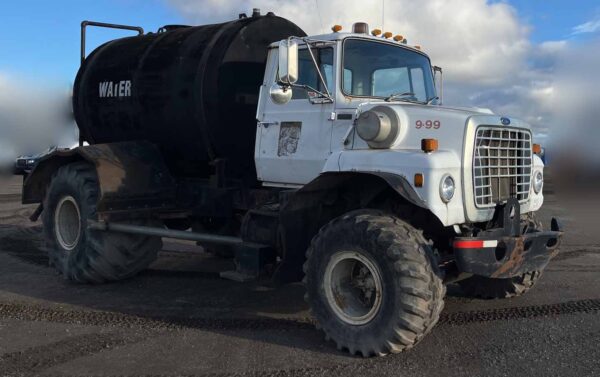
80,254
373,283
488,288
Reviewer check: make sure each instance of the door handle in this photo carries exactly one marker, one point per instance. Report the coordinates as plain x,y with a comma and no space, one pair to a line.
267,124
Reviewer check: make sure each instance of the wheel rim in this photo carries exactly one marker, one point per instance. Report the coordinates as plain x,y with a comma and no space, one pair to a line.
67,223
353,287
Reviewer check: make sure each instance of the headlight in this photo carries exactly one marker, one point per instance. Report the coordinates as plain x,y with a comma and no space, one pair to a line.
538,182
447,188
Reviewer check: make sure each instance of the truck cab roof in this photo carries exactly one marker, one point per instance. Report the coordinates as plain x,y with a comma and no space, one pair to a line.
339,36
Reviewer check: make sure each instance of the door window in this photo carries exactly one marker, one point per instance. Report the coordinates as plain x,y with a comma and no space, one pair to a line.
308,75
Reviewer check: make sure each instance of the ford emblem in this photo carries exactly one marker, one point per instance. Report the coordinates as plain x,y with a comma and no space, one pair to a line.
505,121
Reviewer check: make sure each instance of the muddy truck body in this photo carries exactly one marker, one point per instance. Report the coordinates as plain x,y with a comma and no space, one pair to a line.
327,159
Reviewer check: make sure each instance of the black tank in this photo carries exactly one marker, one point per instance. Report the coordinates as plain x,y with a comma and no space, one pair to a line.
193,91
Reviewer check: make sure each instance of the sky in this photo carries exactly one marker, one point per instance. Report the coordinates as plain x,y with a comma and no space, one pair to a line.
509,55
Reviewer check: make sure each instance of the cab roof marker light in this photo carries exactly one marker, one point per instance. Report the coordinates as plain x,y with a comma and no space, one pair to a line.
336,28
387,35
375,32
398,38
360,28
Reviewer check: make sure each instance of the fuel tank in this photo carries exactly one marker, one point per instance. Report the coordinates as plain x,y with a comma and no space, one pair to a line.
192,91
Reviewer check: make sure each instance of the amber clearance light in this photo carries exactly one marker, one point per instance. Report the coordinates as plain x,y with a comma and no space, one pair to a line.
419,180
537,149
429,145
336,28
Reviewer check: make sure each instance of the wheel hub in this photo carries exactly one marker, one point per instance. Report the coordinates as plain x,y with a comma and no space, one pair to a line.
67,223
353,287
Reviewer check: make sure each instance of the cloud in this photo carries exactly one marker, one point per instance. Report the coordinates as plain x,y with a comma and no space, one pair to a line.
588,27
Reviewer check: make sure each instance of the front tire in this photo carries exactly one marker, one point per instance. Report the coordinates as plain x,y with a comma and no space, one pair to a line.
80,254
372,283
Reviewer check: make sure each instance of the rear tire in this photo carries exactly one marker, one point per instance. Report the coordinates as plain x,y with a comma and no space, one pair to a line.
373,283
80,254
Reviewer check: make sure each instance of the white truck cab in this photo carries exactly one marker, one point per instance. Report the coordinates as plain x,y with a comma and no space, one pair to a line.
341,79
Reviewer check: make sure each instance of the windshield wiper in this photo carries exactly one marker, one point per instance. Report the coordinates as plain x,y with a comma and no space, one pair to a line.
429,101
398,95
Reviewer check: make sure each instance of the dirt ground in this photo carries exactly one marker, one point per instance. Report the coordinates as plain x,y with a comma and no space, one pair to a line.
178,318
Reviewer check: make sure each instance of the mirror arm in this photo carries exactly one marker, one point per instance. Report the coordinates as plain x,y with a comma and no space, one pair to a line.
312,56
310,88
435,70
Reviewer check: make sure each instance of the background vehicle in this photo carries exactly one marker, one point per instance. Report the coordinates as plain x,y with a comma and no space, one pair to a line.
24,164
329,158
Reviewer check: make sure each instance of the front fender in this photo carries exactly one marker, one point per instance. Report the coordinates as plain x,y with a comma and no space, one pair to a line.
406,163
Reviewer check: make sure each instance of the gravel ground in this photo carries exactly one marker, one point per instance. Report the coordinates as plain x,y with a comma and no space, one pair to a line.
178,318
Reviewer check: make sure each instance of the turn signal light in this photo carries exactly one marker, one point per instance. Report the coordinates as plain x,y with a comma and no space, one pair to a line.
375,32
398,38
336,28
537,149
419,180
387,35
429,145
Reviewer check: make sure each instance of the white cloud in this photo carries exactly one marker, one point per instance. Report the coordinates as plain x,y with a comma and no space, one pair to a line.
588,27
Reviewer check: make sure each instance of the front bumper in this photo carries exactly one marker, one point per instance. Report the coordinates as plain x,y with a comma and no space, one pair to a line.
506,251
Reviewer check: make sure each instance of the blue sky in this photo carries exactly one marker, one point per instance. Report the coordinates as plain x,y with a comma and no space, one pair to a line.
554,19
40,39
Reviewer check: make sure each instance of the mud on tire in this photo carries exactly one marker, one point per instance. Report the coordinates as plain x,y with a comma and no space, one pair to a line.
82,255
412,293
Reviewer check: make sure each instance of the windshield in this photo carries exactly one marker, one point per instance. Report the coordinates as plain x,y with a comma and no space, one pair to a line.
374,69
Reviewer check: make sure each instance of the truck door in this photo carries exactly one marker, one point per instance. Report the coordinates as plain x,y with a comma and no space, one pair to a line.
293,140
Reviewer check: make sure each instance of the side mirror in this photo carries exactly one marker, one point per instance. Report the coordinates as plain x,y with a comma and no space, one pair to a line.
280,94
288,61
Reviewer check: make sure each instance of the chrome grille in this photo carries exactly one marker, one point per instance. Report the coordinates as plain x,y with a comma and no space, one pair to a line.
502,163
